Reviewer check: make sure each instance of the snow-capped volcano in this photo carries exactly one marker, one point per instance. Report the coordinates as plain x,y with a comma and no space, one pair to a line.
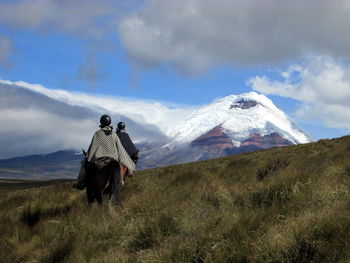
230,125
238,116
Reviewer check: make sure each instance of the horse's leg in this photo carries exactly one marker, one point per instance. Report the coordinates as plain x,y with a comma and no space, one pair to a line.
117,186
99,198
100,183
110,185
121,174
90,195
90,178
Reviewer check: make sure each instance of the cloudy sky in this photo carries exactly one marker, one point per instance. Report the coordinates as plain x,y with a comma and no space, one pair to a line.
171,55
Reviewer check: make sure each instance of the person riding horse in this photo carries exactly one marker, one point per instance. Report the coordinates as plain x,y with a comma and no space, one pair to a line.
105,147
127,142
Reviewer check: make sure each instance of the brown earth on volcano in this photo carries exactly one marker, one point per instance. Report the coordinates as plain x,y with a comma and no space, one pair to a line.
215,140
216,143
264,142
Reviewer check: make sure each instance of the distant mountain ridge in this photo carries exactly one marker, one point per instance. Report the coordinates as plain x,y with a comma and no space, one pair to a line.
40,159
59,165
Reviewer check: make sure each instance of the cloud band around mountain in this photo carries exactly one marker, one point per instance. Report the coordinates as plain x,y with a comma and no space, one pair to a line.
39,120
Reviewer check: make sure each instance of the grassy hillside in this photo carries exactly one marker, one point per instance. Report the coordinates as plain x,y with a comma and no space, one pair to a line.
288,204
7,185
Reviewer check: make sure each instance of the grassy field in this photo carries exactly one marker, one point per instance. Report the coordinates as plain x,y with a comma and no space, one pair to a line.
288,204
7,185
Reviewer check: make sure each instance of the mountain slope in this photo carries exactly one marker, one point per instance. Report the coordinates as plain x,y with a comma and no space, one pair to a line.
288,204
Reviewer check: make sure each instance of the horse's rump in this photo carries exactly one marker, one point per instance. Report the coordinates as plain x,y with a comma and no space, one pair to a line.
98,177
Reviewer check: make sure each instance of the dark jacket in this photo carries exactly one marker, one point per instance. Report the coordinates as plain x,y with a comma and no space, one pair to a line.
128,144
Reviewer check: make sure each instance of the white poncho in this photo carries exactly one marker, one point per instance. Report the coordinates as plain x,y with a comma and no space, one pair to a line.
105,143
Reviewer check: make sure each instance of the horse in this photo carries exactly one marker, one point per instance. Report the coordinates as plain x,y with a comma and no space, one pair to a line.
101,179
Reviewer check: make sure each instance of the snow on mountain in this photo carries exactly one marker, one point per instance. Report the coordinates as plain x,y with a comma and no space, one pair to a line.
238,116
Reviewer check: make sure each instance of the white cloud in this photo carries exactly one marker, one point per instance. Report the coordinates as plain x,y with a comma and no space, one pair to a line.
34,123
141,111
32,130
40,120
194,35
6,49
73,16
321,84
93,22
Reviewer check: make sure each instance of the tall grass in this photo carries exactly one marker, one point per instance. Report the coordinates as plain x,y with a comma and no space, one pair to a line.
288,204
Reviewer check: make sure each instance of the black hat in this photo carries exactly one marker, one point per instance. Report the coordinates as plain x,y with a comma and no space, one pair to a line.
105,120
121,125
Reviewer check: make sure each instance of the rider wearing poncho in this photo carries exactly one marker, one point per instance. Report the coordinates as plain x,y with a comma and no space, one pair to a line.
127,142
105,144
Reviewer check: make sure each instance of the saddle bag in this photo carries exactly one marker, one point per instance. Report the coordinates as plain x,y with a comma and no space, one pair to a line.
102,163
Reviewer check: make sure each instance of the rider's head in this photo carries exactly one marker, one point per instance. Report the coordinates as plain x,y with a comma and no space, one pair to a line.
121,125
105,120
